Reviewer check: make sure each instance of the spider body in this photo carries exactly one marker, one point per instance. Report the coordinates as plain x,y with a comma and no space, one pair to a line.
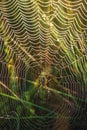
43,81
43,91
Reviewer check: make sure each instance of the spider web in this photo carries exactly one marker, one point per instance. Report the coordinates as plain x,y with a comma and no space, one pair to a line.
43,36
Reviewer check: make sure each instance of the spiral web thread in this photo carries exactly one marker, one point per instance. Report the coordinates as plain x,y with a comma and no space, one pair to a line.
37,32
